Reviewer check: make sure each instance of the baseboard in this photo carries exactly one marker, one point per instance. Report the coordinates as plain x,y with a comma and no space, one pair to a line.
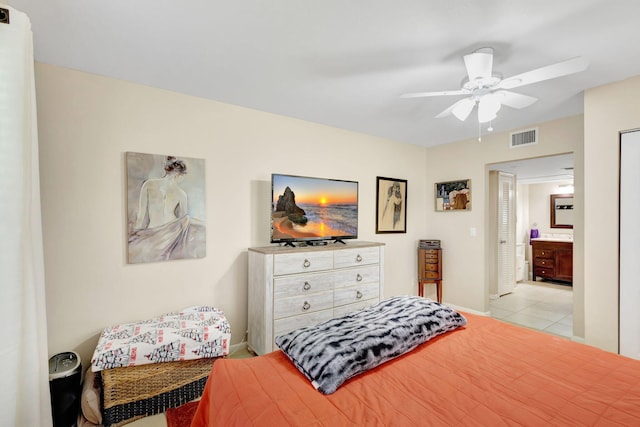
233,348
577,339
469,310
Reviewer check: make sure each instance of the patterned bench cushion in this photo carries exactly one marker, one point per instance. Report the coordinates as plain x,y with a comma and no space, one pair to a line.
193,333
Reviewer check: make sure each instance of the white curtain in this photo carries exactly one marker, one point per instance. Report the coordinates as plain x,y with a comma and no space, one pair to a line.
24,390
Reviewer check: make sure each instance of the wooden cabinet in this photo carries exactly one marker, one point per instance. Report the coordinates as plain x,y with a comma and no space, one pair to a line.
430,270
290,288
553,260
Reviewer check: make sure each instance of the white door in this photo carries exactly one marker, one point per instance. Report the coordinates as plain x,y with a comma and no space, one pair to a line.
506,233
629,245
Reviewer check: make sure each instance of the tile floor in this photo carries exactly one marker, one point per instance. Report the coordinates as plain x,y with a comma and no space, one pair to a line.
545,306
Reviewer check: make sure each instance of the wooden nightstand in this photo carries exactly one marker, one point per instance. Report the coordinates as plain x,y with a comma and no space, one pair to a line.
430,270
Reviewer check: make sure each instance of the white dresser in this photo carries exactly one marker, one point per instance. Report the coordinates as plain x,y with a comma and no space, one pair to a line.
294,287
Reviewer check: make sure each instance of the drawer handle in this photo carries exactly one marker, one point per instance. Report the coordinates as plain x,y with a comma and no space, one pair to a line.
306,306
358,258
542,252
359,278
306,286
358,295
306,263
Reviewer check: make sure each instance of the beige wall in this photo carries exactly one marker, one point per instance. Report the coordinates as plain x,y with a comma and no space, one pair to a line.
608,110
465,275
87,123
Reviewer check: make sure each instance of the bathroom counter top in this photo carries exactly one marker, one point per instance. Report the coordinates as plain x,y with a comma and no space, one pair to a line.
552,239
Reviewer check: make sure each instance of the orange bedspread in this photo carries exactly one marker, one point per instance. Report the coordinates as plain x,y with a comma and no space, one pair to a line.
488,373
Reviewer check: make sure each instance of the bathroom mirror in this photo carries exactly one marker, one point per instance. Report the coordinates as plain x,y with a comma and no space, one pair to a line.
562,211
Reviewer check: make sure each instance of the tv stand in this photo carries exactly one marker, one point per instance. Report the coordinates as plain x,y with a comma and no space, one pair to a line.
311,243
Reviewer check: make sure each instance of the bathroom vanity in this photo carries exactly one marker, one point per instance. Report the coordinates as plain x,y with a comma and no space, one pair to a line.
552,259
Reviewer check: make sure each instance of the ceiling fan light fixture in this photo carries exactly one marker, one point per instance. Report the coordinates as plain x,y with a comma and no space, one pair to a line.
488,108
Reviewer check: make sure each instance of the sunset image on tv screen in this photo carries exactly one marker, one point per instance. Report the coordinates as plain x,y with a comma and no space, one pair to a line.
304,207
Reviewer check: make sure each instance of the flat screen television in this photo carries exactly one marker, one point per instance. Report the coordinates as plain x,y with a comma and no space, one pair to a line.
313,210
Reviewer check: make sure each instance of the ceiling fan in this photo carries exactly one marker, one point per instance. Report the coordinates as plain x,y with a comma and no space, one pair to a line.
489,90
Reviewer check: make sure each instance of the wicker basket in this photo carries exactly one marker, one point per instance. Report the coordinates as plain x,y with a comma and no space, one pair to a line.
138,391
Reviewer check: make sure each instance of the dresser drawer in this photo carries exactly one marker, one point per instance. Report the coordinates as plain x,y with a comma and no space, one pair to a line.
545,272
350,308
354,294
354,257
431,255
355,276
294,306
431,267
544,262
301,284
543,253
431,275
302,262
288,324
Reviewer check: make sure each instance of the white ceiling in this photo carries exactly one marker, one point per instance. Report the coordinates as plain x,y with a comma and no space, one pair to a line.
540,169
344,63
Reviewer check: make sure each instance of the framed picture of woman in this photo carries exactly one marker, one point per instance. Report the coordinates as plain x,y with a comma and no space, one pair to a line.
165,208
391,207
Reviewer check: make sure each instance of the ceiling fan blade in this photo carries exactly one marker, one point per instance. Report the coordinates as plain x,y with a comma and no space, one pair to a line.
559,69
463,108
460,109
441,93
479,63
514,100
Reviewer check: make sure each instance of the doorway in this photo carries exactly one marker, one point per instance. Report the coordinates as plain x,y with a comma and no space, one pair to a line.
543,305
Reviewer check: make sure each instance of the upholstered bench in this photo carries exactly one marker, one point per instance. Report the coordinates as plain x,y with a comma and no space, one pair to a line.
147,367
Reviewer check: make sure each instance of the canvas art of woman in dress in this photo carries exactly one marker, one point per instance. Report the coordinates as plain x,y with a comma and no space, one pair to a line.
163,225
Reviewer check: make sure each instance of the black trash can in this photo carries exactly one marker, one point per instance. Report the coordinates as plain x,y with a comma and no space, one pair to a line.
65,384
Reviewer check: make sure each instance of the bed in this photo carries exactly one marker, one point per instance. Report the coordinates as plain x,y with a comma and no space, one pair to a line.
485,372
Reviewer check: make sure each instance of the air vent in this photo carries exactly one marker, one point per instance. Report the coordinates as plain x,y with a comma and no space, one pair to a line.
525,137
